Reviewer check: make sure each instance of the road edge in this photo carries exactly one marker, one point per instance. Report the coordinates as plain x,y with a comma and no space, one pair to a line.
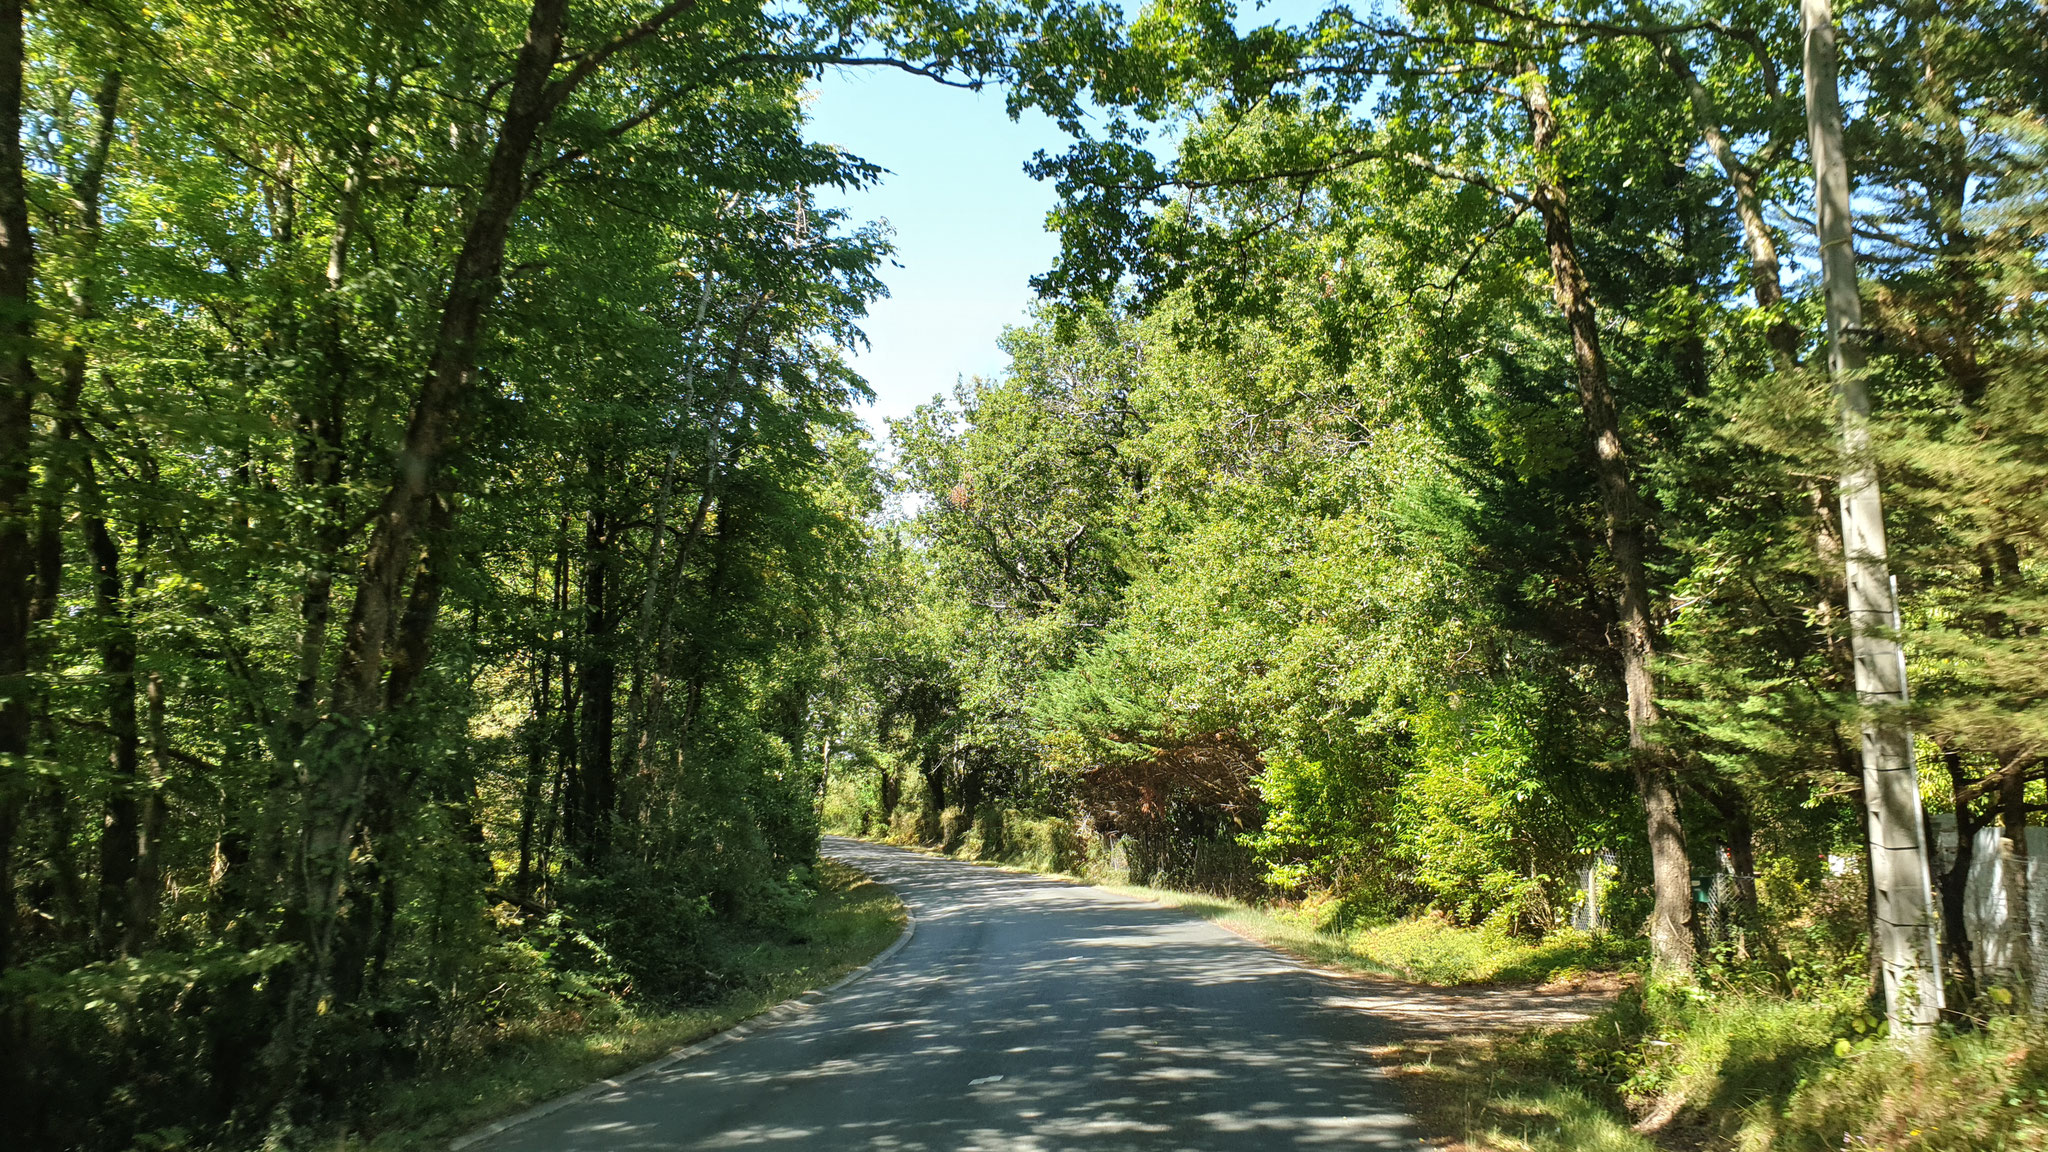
767,1018
1304,963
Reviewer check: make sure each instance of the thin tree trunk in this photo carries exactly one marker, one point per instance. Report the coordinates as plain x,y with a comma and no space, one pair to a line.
145,894
663,664
1671,922
662,669
61,474
714,591
321,469
536,774
657,537
1763,248
535,95
2012,850
600,676
1903,932
537,742
1955,883
335,756
17,435
121,828
560,793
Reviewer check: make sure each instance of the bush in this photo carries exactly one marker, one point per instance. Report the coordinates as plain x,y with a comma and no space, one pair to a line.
954,825
1813,1072
1721,1057
1986,1089
1042,844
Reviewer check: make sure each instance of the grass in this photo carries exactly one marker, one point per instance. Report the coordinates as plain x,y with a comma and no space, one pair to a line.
1686,1070
852,920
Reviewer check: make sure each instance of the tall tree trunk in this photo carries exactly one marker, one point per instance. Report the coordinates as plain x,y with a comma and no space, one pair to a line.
321,466
1903,932
145,894
536,740
121,827
86,194
1764,272
534,97
63,469
17,436
336,755
599,670
728,530
662,666
644,641
555,814
1671,921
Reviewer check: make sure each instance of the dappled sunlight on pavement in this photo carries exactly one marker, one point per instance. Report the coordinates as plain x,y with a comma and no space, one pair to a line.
1407,1012
1026,1014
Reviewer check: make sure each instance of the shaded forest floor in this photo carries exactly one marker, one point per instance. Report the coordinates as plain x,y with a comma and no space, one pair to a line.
851,921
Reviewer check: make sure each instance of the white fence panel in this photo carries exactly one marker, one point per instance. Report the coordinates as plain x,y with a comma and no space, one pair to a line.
1995,933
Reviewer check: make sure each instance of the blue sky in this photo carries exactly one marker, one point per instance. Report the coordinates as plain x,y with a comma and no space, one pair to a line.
969,225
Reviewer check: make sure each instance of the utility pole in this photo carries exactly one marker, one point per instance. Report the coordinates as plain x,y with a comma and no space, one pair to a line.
1903,929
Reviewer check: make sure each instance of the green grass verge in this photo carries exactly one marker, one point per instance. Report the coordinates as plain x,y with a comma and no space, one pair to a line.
1689,1069
852,920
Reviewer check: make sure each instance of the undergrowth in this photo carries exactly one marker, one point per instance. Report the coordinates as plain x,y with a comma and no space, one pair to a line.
1772,1047
851,919
1686,1070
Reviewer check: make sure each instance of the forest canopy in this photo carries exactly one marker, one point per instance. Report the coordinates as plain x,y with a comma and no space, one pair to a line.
428,488
444,580
1427,477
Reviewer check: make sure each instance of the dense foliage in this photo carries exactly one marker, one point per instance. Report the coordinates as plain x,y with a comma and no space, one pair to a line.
430,486
1427,459
442,582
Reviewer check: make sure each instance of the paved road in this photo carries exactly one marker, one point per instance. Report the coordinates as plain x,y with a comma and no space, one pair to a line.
1026,1015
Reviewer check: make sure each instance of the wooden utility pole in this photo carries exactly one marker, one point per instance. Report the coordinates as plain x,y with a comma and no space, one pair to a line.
1902,928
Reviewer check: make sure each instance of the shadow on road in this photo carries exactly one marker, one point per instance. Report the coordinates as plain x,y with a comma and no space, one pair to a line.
1028,1014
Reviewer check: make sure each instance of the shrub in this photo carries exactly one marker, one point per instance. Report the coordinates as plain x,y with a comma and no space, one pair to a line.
1044,844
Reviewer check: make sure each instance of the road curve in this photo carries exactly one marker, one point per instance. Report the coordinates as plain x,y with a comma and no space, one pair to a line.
1026,1015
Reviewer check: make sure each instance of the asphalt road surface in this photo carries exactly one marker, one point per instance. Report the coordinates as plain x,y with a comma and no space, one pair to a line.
1025,1015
